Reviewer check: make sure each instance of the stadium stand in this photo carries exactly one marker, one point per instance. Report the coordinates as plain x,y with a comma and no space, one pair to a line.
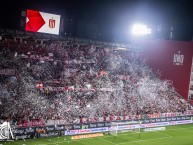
50,79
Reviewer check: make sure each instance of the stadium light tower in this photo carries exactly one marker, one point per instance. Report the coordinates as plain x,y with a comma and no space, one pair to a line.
140,29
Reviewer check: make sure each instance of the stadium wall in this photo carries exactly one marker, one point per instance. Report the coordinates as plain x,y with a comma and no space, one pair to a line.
161,55
87,128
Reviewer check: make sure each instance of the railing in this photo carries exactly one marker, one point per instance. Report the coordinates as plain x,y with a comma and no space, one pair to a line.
120,118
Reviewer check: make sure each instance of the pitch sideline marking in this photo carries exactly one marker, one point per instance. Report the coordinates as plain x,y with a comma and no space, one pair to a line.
122,134
189,131
107,141
145,140
136,140
163,134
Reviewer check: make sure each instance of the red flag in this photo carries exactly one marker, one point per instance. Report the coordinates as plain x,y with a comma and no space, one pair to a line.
103,72
97,75
39,85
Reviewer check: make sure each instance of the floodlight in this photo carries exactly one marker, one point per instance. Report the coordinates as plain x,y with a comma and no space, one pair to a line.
140,29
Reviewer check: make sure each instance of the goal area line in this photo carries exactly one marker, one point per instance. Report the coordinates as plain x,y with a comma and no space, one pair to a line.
165,136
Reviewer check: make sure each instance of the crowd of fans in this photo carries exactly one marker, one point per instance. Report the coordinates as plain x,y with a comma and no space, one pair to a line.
68,80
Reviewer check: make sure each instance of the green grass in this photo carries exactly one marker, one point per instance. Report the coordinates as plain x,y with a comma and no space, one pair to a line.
173,135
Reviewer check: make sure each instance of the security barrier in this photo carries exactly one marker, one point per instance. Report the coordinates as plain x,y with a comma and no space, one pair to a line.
88,128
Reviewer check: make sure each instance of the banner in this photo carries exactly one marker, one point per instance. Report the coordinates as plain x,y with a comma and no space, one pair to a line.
11,72
5,131
154,129
31,123
8,72
106,121
87,136
23,133
85,131
37,21
37,57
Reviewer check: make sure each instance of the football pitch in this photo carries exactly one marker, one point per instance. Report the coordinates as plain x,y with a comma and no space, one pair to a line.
173,135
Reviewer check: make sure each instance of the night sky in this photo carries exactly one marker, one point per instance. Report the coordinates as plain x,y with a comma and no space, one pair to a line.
111,18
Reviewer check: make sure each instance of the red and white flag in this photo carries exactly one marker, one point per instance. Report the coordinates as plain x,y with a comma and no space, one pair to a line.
37,21
39,85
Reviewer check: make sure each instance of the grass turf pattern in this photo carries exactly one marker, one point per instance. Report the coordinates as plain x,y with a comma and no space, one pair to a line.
173,135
